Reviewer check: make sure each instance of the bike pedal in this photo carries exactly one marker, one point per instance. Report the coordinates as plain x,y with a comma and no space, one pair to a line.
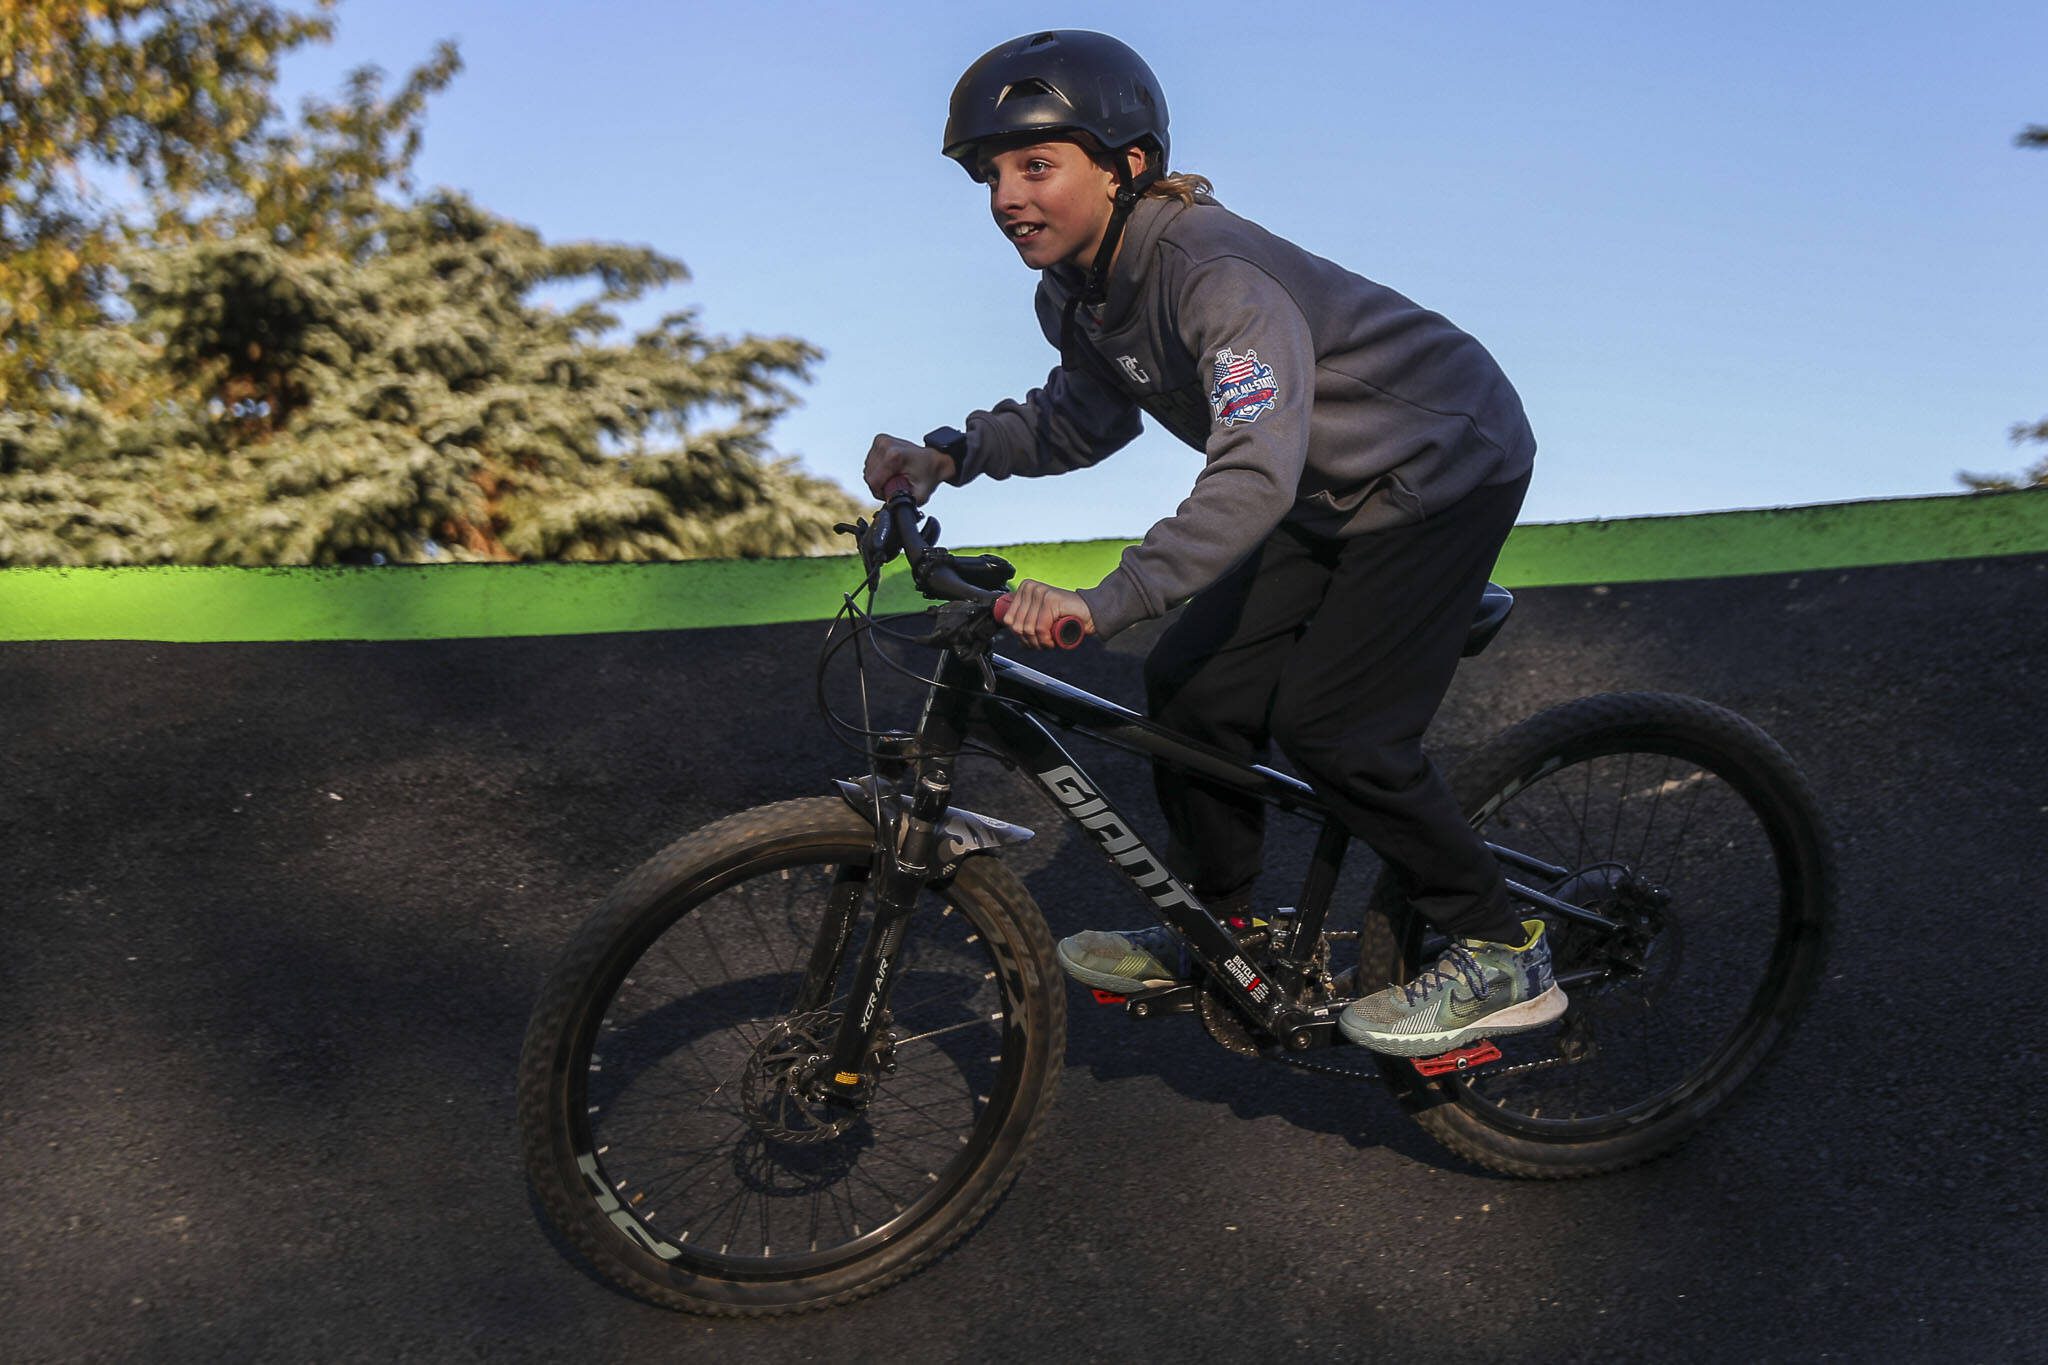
1459,1059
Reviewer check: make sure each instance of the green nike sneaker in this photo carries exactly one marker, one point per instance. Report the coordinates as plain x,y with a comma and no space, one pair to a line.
1474,991
1124,964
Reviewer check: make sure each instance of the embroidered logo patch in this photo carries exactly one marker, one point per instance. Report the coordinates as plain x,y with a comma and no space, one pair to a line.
1244,388
1133,369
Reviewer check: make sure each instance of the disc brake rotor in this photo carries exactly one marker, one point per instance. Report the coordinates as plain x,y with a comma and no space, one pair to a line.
777,1095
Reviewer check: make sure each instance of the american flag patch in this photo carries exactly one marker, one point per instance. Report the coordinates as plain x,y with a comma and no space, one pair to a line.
1243,387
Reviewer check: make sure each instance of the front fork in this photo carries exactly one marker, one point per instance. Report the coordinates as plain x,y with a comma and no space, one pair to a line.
903,870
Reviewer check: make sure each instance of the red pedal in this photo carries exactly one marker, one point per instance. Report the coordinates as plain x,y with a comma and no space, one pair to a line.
1111,998
1459,1059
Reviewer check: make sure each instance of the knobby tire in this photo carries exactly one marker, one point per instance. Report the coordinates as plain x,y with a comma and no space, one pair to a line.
672,1006
1753,889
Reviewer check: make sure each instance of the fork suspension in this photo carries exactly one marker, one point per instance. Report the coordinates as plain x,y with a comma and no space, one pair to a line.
906,868
908,861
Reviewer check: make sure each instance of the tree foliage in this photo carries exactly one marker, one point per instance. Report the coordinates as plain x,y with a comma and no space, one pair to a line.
292,357
174,93
2022,433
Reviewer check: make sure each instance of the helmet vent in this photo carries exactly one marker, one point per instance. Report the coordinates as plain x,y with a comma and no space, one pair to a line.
1025,89
1046,39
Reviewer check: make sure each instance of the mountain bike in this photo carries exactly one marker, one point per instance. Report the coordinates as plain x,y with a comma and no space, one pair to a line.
800,1052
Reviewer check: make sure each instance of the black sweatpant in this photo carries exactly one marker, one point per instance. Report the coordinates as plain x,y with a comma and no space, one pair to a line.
1340,651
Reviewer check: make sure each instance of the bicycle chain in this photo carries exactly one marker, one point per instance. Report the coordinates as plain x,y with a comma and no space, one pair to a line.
1331,1069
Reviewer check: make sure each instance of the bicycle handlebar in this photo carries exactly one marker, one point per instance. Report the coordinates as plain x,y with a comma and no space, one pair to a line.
899,516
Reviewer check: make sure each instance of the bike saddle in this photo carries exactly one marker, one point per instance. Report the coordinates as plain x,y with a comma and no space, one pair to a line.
1494,605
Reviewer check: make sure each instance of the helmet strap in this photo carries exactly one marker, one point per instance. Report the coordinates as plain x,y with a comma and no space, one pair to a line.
1129,190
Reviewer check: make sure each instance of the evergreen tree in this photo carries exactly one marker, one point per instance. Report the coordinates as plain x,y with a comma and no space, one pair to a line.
174,93
310,363
2022,433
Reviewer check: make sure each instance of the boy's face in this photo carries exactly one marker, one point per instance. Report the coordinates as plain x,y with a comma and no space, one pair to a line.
1051,200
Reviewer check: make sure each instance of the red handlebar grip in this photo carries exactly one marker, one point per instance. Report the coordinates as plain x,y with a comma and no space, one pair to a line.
1067,631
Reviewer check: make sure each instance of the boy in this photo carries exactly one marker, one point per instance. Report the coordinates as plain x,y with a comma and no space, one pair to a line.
1364,461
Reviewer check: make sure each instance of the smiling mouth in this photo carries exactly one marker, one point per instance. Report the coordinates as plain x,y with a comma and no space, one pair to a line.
1020,232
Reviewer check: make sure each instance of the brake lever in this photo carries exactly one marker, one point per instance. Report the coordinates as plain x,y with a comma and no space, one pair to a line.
878,542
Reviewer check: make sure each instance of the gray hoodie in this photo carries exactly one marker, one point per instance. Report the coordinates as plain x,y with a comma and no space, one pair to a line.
1317,397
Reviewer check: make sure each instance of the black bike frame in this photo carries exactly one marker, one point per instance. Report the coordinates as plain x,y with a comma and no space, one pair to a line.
999,701
1002,707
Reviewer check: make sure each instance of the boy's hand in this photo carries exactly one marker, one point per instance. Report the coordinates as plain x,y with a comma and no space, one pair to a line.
924,467
1034,606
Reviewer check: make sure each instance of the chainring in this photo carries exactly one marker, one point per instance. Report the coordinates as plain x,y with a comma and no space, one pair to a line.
1224,1025
1227,1026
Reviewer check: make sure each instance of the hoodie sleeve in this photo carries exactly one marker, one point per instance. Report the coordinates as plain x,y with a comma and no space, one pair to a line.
1258,364
1071,422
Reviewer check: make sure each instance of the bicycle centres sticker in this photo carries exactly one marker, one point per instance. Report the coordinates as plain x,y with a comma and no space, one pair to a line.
1243,389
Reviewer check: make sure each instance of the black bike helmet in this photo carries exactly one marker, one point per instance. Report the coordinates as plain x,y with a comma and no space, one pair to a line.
1066,80
1063,80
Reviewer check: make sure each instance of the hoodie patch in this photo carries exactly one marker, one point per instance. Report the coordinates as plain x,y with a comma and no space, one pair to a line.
1243,388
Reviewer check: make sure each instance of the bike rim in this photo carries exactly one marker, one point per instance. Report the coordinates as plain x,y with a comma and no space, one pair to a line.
671,1148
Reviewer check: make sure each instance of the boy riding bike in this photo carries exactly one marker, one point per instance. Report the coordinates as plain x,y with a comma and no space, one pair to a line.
1364,462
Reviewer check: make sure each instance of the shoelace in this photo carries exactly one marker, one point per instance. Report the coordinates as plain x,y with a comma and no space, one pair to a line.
1436,977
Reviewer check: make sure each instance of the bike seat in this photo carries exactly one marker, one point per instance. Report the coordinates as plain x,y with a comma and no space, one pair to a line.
1494,605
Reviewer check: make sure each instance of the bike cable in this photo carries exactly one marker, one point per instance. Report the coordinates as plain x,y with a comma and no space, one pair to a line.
859,738
874,626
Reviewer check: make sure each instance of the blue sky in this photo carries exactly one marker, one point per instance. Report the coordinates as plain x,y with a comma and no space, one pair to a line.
1736,255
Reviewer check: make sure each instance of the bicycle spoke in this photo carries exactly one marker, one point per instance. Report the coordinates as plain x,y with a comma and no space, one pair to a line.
1656,804
1621,799
939,1032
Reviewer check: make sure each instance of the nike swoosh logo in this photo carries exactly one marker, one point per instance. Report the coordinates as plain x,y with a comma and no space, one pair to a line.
1460,1009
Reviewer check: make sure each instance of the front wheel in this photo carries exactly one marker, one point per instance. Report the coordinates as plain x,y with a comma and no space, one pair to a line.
671,1125
1690,827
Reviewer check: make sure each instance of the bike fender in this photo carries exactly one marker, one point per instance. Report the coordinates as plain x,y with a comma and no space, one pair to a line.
962,834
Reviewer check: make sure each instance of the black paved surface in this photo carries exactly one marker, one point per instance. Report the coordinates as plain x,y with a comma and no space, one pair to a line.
274,916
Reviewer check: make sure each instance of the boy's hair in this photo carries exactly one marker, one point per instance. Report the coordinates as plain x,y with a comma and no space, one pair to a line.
1182,185
1185,186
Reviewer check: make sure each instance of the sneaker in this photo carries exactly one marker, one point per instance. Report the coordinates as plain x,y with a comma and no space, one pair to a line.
1125,964
1475,990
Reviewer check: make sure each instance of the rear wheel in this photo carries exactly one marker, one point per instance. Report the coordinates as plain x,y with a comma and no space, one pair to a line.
1692,828
670,1124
